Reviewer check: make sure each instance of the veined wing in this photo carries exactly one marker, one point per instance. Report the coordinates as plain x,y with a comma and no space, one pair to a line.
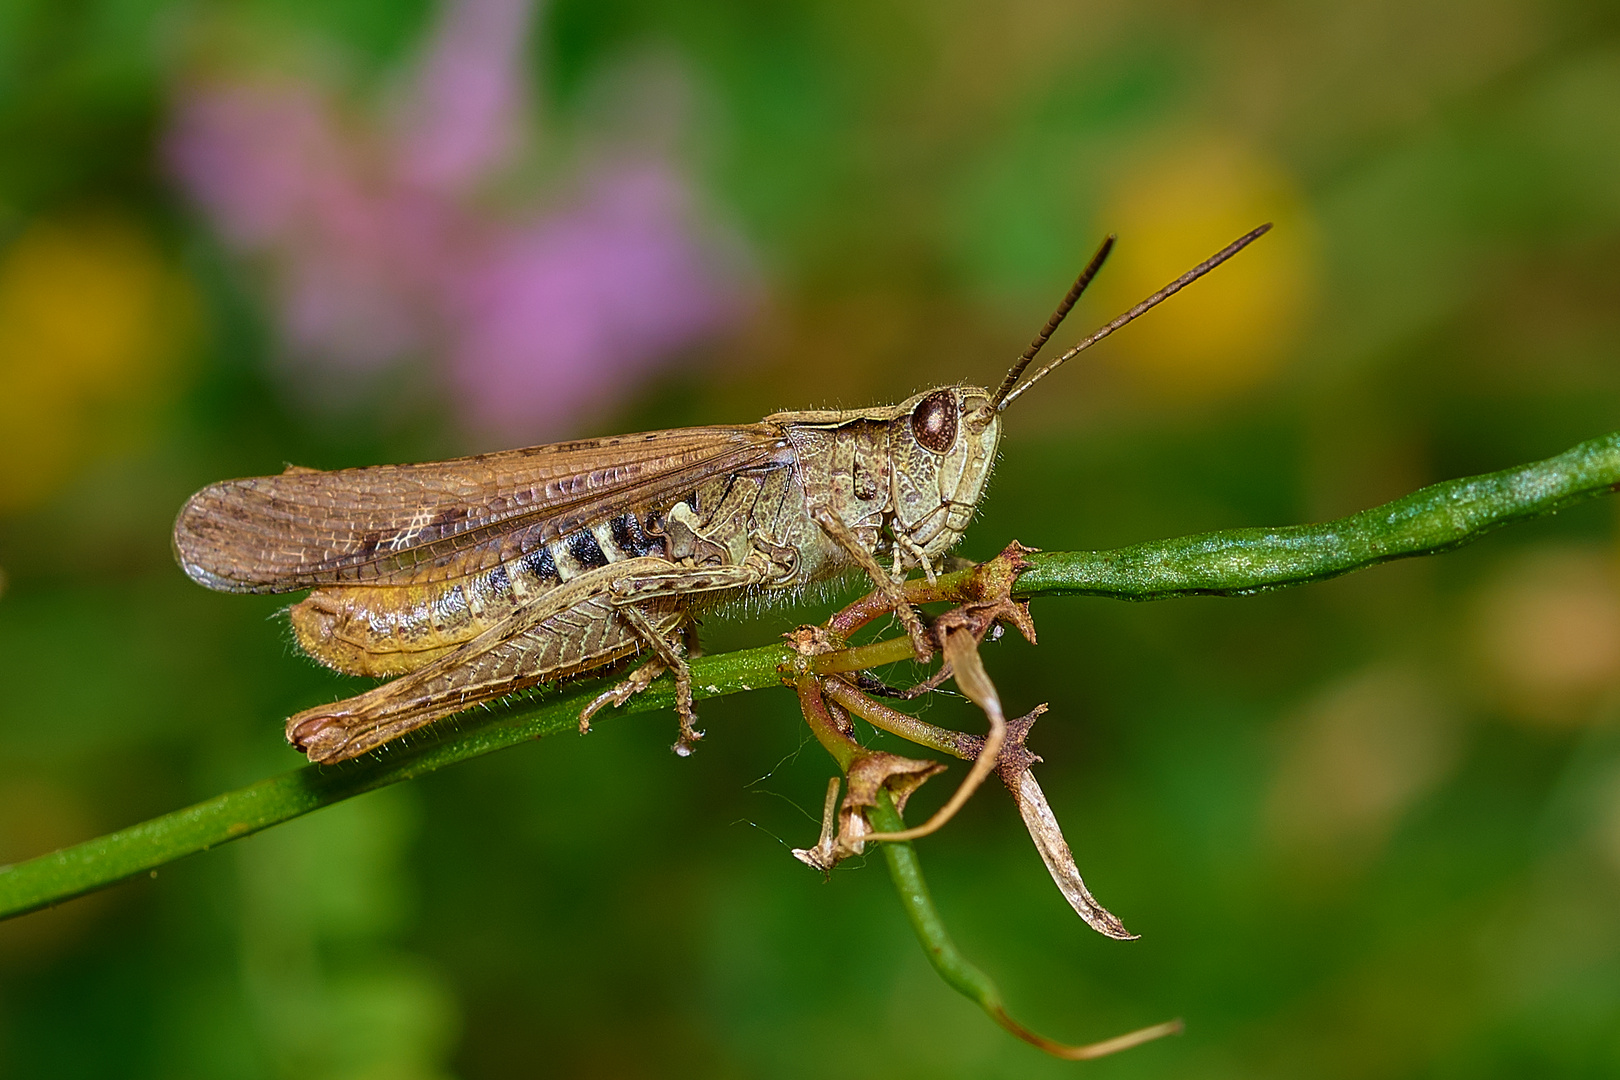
398,524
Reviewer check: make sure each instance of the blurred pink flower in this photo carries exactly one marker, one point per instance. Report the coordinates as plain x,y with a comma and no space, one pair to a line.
587,298
463,114
377,249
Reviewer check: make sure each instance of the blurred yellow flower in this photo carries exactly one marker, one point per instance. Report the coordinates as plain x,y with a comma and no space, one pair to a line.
91,324
1234,328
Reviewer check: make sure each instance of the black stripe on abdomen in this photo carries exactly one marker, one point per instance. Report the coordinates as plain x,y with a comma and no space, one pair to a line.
541,565
631,540
585,550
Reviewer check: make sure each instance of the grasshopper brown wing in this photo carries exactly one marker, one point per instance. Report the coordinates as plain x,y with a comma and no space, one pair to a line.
439,521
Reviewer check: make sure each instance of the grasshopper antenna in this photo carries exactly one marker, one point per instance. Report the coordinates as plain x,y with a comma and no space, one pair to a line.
1003,398
1056,320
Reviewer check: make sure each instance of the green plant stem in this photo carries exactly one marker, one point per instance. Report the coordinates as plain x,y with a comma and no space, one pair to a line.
1229,563
1239,562
106,860
960,973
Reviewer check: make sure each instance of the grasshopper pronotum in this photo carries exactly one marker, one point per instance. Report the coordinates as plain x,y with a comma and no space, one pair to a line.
473,578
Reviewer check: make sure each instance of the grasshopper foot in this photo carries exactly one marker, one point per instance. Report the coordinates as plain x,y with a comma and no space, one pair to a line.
687,743
620,693
689,736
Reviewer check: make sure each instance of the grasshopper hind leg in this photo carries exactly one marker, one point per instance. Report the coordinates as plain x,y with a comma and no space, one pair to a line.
572,630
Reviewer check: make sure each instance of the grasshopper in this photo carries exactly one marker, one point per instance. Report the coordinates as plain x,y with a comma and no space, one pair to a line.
470,579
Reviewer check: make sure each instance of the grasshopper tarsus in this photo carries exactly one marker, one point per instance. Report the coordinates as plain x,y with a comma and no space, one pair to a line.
621,692
686,745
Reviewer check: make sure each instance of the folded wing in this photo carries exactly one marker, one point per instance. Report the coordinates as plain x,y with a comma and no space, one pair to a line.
407,524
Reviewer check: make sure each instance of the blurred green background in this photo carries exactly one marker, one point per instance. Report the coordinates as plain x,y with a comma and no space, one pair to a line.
1369,828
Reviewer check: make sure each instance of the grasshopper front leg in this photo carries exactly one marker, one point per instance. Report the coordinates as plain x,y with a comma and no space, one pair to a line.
892,590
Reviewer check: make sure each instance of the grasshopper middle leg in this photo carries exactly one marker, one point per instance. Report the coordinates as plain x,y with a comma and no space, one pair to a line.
672,656
629,595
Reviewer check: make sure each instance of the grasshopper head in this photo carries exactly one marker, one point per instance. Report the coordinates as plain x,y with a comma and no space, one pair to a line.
944,445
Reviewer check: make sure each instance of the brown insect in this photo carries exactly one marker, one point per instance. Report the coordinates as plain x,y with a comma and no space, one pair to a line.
473,578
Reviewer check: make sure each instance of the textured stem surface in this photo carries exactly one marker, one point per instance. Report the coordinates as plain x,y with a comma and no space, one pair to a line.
1230,563
1238,562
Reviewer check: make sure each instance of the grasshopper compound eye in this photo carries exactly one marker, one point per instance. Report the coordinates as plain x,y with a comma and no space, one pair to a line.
933,421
